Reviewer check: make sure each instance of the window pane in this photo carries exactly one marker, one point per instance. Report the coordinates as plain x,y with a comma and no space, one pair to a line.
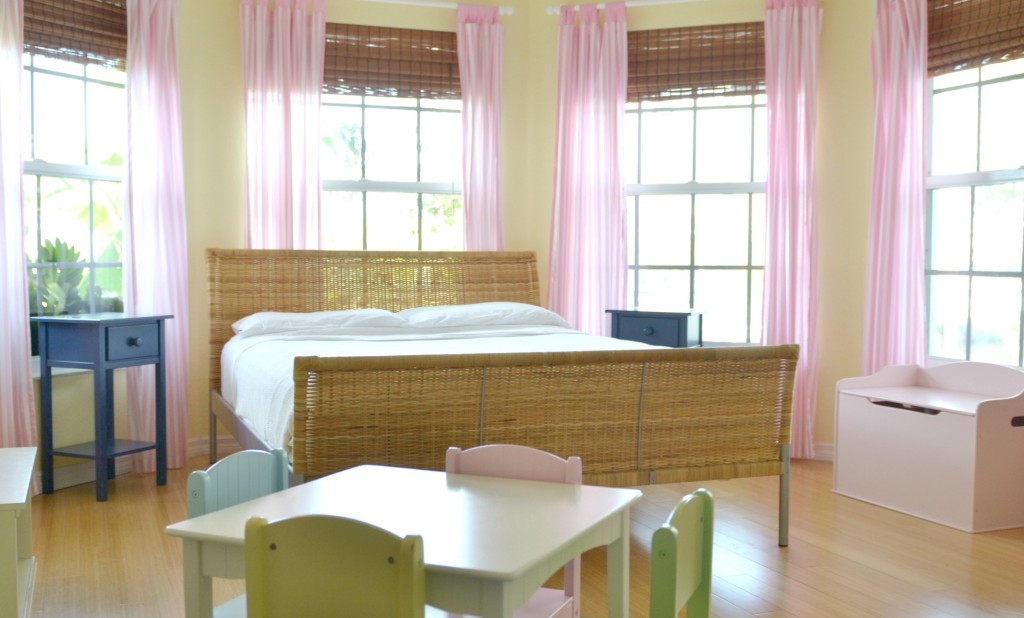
392,221
756,304
666,147
956,78
65,212
720,230
951,229
342,143
1002,69
108,135
391,144
664,290
631,230
721,295
391,101
995,319
452,104
631,163
341,221
105,74
442,223
441,147
107,221
29,216
26,116
108,295
1002,126
760,144
998,227
59,119
723,141
955,131
664,235
757,232
947,316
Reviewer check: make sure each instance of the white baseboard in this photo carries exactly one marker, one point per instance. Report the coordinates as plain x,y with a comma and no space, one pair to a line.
824,451
85,472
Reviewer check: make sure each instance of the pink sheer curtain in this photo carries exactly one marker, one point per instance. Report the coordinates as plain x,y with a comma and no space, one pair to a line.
791,29
282,73
17,406
481,52
587,273
156,257
894,317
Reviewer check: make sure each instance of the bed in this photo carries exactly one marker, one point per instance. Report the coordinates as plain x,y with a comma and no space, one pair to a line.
635,416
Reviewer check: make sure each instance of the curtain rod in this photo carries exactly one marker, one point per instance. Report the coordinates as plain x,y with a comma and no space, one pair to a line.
436,4
555,10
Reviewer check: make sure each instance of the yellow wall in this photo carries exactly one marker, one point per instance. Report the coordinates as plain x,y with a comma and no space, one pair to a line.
212,121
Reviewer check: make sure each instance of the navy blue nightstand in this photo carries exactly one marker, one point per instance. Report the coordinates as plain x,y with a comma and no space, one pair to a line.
101,342
674,330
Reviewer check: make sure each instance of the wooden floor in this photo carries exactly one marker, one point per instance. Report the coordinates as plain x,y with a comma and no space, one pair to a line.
845,558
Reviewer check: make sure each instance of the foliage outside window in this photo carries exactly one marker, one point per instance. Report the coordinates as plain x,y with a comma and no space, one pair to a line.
391,153
696,163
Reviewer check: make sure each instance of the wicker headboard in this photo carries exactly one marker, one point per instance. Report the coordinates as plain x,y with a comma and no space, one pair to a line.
245,281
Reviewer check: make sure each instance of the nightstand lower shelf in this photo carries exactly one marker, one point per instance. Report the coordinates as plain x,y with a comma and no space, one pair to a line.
119,447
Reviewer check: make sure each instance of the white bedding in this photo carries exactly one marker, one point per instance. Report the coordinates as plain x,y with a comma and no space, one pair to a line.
256,371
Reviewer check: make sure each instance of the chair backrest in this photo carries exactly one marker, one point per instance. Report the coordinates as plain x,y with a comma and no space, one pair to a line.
513,461
326,566
681,559
235,479
525,463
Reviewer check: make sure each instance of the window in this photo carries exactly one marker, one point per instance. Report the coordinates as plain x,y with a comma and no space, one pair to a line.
74,136
696,160
975,240
975,218
392,149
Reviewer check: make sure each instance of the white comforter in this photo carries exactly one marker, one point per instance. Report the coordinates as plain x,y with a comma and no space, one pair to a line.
256,371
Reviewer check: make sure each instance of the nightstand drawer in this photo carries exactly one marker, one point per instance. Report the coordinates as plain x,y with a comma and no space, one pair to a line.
655,331
135,341
673,330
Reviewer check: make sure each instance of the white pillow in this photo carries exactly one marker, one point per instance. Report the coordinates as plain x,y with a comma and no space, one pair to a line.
276,322
481,314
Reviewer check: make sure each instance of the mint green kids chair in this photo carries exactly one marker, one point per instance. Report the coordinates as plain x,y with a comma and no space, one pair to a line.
237,478
323,566
681,559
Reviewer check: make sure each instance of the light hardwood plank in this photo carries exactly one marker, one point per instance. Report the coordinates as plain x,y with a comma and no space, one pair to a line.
846,558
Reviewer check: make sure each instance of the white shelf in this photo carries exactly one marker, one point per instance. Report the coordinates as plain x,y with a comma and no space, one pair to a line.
17,564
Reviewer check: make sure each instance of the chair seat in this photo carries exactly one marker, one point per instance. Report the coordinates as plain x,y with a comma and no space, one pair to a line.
544,602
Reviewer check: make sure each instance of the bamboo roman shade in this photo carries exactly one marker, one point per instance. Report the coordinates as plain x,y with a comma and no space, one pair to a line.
396,62
85,31
970,33
673,63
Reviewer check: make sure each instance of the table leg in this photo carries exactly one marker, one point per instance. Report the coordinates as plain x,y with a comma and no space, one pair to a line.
198,587
101,418
618,571
161,424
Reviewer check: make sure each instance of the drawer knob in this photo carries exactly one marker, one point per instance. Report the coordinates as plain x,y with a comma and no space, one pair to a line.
135,342
648,330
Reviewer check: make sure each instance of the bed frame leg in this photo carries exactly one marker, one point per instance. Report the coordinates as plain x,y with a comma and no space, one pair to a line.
784,497
213,438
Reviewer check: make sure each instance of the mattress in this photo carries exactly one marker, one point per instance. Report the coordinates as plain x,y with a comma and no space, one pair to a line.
257,369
